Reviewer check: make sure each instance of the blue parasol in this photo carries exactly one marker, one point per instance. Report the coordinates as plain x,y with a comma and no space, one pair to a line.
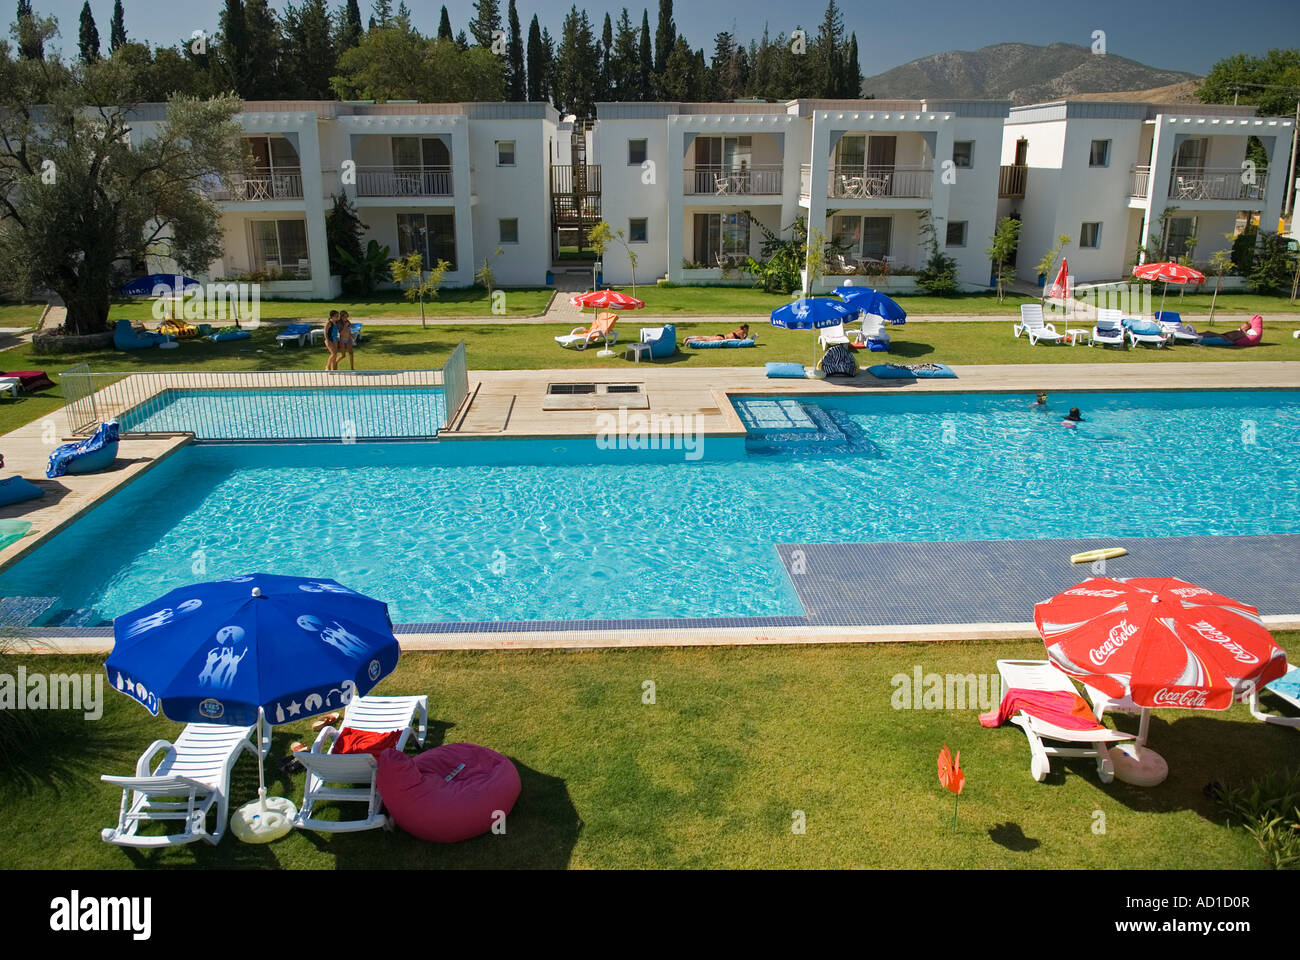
811,313
158,285
873,303
255,648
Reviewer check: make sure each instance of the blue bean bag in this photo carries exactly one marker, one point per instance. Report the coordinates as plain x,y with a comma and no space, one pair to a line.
230,335
665,345
711,344
126,337
911,371
96,452
788,371
17,490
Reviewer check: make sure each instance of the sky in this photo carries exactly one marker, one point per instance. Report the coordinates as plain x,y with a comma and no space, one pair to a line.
1185,35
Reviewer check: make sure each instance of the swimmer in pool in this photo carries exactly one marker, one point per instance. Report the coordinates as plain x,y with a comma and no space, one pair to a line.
1073,418
1040,401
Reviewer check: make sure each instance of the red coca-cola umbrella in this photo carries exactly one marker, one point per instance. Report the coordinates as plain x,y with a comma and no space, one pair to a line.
1060,289
606,300
1158,642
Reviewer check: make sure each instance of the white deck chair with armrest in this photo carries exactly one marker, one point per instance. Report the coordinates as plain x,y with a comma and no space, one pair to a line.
832,335
191,780
1041,675
350,777
1109,330
1031,323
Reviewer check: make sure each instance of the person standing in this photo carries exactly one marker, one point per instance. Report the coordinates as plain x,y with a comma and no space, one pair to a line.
331,340
347,339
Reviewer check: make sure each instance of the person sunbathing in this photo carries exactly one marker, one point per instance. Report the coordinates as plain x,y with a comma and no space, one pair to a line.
740,333
1233,336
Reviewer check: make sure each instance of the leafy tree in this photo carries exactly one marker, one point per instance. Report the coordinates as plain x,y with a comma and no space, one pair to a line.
602,237
577,67
536,63
487,18
828,60
395,64
117,27
444,26
349,27
1270,82
88,35
31,32
783,258
343,232
516,78
408,272
939,275
78,201
1220,263
381,16
363,274
486,275
681,78
1002,251
1271,270
309,52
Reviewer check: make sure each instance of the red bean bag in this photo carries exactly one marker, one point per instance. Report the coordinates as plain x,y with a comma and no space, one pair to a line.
449,793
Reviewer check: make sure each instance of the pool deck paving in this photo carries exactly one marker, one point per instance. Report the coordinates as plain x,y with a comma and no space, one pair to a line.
512,404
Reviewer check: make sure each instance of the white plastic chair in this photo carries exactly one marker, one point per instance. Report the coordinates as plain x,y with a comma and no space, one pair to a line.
191,780
1109,330
353,774
1155,339
1041,675
1031,323
873,328
832,335
1290,679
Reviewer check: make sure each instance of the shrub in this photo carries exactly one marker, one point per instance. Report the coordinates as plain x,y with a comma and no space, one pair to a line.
1269,809
1273,265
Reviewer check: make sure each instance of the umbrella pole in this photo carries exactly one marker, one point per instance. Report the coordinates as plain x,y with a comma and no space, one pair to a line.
1143,725
261,775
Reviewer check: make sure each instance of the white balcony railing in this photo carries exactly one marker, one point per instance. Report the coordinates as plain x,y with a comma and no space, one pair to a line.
856,182
1202,183
758,180
260,183
412,181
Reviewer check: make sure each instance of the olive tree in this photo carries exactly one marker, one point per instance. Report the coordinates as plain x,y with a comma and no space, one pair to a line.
85,198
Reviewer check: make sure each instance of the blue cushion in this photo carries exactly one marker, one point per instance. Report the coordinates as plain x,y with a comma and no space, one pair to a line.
1144,327
666,345
921,371
1168,316
710,344
17,489
789,371
230,335
96,452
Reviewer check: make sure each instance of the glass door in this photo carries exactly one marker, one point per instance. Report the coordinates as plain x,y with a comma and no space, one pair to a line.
708,238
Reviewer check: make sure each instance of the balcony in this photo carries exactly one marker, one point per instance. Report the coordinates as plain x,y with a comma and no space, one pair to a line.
852,182
280,183
1200,183
1011,180
412,181
760,180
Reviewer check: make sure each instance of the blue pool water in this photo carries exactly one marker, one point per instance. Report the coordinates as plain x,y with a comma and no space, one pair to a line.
292,414
510,530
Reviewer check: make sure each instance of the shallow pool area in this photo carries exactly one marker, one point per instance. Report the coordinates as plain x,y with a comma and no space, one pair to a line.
497,530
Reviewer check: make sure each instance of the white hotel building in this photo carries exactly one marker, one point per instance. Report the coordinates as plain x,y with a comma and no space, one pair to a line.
693,186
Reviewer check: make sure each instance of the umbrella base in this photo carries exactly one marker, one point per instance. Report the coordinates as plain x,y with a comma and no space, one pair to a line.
254,823
1139,766
813,373
605,353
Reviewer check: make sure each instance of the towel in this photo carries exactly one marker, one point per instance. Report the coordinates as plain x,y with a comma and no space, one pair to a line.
1064,709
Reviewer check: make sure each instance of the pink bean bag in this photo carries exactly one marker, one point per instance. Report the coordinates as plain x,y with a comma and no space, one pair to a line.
424,803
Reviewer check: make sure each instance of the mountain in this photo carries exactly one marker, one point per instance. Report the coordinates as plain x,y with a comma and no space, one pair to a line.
1019,72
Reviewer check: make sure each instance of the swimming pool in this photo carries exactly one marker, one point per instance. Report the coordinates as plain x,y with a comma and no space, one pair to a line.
291,413
521,530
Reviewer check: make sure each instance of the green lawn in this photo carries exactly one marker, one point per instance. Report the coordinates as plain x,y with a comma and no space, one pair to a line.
467,302
710,775
20,314
532,347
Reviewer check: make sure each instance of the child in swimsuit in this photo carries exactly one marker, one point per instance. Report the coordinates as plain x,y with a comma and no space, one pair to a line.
331,340
346,340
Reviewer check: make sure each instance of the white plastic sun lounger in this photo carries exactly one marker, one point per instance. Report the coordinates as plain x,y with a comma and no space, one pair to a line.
832,335
191,779
1041,675
350,777
1031,322
1109,330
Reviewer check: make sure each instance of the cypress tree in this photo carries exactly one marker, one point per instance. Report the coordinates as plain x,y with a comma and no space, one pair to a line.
516,78
88,35
665,35
444,26
350,29
487,18
117,27
536,63
646,71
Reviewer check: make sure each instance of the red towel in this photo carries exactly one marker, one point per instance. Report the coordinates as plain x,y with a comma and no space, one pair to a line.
1067,710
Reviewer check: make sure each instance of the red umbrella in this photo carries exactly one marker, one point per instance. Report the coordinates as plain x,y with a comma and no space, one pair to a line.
1060,289
606,300
1159,641
1169,273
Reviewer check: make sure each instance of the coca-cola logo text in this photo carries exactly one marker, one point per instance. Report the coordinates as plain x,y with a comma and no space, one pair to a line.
1117,637
1180,698
1214,635
1085,592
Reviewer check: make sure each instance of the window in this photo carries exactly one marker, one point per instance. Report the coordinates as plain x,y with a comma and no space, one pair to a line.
735,235
638,230
1178,231
508,231
956,233
431,235
1099,155
864,237
280,246
962,152
636,152
505,153
719,236
1090,236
